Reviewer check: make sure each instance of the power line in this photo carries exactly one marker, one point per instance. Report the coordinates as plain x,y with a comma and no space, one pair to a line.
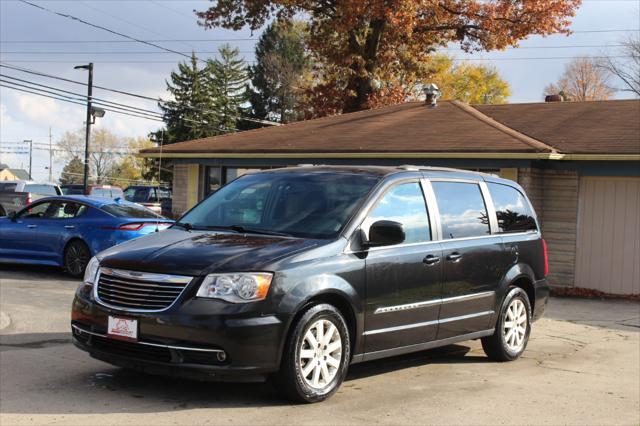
84,97
215,40
159,100
121,52
74,18
72,101
540,58
140,114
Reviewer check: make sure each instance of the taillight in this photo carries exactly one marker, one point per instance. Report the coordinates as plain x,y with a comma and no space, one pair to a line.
29,200
546,257
136,226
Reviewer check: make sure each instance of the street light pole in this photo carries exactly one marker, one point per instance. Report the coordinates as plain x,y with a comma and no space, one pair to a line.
88,127
30,156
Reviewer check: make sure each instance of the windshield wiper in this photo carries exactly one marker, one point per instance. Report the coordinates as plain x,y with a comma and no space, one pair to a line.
250,230
186,225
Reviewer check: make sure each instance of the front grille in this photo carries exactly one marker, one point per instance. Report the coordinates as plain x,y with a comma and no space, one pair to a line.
138,291
131,350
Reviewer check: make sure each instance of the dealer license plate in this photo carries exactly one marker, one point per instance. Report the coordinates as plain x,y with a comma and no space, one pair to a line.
123,328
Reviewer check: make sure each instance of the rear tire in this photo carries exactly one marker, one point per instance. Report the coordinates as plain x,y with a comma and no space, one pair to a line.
512,331
316,357
76,257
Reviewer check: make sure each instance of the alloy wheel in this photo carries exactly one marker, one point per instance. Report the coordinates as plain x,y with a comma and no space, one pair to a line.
320,354
515,325
77,258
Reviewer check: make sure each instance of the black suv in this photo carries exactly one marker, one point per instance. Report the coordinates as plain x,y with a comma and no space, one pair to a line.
296,273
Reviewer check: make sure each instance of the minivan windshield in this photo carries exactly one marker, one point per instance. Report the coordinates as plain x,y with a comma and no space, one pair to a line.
308,205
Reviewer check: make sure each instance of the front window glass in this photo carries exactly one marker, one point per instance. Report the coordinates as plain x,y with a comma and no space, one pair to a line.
65,210
312,205
136,195
129,210
35,211
404,204
512,209
462,210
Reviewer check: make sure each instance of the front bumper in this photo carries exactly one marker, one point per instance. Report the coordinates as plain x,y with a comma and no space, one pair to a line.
541,288
184,341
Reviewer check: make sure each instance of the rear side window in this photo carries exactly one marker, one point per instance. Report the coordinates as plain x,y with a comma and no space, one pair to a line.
462,210
7,187
129,210
512,209
40,189
404,204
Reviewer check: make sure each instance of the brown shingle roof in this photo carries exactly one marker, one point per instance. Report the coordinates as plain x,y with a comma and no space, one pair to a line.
406,128
611,127
607,127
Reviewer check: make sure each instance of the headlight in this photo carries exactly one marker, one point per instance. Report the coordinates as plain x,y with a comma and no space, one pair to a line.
236,287
91,271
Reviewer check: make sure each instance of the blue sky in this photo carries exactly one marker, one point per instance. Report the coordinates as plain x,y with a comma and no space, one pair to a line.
30,38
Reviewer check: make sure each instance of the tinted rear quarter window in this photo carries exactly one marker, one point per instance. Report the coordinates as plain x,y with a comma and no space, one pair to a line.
512,209
462,209
129,210
40,189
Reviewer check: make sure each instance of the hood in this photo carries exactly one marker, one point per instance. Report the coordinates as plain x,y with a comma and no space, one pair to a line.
178,252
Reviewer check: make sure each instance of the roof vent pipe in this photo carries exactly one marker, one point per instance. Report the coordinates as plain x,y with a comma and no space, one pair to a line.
432,93
554,98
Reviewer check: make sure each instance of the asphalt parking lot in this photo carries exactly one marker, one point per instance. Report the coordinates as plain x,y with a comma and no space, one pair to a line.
582,366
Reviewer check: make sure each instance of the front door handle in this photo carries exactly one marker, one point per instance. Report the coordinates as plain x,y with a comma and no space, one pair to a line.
431,259
454,257
32,226
69,227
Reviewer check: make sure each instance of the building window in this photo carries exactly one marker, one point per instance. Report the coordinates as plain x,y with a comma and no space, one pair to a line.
212,180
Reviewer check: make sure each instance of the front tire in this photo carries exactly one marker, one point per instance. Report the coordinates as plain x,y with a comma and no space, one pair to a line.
316,358
512,331
76,257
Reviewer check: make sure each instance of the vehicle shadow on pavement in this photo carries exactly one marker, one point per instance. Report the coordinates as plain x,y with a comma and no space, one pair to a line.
61,374
33,272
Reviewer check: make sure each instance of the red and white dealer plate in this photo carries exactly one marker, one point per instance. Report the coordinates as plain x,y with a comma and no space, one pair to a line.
123,329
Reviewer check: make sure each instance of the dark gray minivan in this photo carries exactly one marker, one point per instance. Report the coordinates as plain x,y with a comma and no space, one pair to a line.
294,274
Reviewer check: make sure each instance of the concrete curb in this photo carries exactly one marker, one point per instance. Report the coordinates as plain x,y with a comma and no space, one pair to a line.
5,321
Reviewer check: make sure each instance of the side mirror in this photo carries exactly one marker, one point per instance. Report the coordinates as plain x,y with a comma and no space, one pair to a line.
12,216
385,233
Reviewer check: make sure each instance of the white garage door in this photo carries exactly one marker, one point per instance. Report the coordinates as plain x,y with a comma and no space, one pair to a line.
608,245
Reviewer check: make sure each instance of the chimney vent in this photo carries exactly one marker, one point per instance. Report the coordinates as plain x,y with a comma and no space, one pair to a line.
432,93
553,98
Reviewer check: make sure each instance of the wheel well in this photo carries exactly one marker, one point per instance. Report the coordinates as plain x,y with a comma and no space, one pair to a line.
64,251
2,212
526,284
340,303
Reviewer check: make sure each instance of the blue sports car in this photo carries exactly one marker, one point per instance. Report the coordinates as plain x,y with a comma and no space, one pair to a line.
67,231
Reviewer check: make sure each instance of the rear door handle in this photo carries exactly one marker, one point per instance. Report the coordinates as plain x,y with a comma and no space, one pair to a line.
431,259
69,227
455,256
32,226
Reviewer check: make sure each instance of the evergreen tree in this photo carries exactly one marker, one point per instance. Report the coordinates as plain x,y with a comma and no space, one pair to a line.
281,63
190,115
227,78
73,172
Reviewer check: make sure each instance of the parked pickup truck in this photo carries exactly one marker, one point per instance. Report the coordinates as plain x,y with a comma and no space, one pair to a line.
15,194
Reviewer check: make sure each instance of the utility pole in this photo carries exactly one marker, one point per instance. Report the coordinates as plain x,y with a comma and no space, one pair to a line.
30,142
50,159
88,128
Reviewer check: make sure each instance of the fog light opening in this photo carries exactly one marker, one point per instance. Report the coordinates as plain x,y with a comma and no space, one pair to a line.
222,356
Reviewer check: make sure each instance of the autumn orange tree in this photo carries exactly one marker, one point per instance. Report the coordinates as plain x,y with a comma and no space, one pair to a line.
583,79
369,51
